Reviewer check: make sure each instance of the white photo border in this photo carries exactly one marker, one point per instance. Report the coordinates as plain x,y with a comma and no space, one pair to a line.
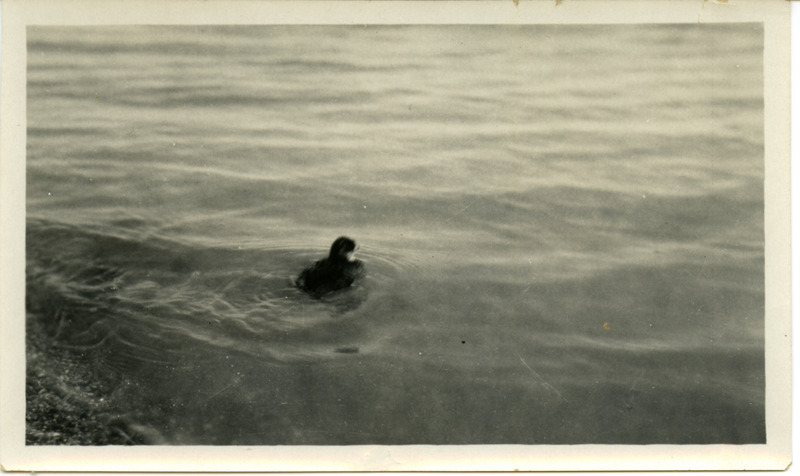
774,455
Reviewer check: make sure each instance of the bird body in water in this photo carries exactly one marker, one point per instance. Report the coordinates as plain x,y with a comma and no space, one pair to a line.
338,271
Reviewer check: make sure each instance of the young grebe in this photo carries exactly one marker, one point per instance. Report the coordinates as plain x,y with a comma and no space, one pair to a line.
338,271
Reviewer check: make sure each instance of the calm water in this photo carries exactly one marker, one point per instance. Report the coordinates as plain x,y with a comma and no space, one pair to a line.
562,228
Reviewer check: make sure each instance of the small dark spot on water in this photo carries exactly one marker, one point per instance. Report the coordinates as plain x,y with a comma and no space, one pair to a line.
463,342
347,350
129,222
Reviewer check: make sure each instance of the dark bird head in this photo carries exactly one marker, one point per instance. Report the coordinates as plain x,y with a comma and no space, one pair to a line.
342,249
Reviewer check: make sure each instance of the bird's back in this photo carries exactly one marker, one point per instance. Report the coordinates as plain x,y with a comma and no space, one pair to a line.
326,276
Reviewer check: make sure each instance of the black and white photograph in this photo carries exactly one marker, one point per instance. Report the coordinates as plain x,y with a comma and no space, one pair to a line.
394,234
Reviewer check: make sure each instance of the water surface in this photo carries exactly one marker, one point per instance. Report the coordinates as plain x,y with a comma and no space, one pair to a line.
562,228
